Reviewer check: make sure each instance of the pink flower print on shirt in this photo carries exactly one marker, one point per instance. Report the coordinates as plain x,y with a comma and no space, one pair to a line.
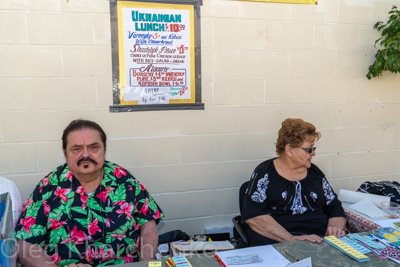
118,172
90,254
69,175
84,199
145,207
78,237
126,209
45,181
28,223
108,222
128,258
93,227
141,186
56,258
46,207
157,215
104,194
80,190
104,255
62,193
54,224
118,236
28,202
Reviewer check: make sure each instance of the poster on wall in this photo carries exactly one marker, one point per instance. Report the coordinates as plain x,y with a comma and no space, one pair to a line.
156,55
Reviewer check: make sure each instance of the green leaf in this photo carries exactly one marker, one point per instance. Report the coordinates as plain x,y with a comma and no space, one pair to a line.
38,230
58,235
33,209
83,222
67,262
35,230
93,204
73,248
47,195
97,216
152,205
120,193
79,210
57,213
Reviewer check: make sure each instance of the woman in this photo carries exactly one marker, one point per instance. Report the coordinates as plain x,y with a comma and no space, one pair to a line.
288,198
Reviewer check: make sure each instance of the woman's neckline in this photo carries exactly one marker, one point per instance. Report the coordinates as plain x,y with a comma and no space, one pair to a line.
286,175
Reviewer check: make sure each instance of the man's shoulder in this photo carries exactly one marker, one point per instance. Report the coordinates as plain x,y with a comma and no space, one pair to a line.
113,166
117,172
58,174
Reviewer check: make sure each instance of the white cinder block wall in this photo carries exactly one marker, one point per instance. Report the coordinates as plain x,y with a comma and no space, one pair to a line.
261,63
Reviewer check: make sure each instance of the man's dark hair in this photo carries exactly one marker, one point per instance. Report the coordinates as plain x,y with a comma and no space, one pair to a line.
80,124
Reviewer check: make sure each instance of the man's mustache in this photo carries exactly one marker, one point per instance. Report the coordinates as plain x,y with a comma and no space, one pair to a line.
86,159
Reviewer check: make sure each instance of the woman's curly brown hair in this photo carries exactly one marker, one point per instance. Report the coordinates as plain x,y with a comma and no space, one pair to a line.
295,132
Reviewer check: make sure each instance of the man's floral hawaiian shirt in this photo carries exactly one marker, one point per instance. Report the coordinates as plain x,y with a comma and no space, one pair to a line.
101,228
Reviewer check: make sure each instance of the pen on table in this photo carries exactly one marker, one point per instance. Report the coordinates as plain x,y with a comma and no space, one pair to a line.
293,256
219,260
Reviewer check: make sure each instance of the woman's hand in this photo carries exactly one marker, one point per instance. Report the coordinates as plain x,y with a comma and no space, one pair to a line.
310,238
339,233
336,226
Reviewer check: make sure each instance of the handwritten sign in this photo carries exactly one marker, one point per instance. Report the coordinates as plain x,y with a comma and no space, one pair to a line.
310,2
156,54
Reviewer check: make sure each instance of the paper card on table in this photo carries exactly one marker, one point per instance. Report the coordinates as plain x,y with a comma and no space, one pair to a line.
365,206
181,261
387,223
155,264
245,259
267,253
303,263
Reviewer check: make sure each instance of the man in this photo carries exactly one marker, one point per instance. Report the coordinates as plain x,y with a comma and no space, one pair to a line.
87,212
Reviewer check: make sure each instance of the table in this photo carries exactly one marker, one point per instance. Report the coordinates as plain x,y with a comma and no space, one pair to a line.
323,255
326,255
358,222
